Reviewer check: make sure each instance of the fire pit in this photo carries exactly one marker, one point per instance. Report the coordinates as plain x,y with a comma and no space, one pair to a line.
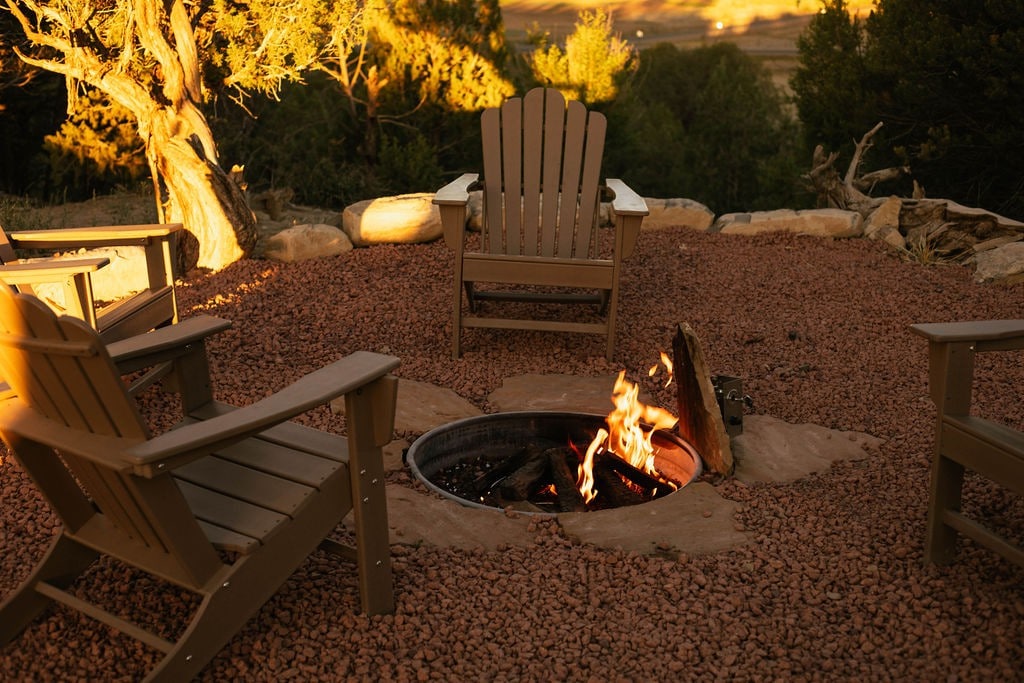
530,461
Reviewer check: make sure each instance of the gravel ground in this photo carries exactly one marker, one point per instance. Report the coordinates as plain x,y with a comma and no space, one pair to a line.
832,588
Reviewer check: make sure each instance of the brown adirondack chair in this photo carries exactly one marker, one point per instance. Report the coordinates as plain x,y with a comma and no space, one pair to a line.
541,194
965,441
226,505
150,308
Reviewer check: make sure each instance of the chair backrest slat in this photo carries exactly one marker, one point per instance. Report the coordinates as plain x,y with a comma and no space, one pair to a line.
590,187
533,156
60,369
512,175
490,131
551,178
547,154
572,169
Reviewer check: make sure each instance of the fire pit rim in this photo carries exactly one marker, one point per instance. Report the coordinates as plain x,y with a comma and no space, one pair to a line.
410,456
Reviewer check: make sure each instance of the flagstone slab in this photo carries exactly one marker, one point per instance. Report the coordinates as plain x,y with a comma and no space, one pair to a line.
695,520
771,450
558,393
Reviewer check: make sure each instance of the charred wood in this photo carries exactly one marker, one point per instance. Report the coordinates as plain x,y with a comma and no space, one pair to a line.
524,481
612,490
569,497
651,485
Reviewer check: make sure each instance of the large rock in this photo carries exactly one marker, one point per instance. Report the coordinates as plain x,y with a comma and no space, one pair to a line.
818,223
302,242
1003,264
667,213
557,393
405,219
125,275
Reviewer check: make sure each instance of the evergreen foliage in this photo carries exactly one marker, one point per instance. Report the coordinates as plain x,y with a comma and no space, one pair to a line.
593,64
96,149
945,78
707,124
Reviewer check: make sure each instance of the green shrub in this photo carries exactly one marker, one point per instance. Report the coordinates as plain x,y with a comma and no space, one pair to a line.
707,124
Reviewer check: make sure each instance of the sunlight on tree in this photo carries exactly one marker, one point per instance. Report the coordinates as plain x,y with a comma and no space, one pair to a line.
593,63
96,145
163,61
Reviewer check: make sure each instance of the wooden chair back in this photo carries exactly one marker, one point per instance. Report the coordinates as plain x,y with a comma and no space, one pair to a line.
154,306
61,369
537,147
965,441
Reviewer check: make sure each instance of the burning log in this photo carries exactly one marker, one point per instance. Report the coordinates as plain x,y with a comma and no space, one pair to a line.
700,420
569,497
522,483
650,484
612,490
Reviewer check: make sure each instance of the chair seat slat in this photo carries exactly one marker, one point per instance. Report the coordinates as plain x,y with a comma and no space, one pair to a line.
244,483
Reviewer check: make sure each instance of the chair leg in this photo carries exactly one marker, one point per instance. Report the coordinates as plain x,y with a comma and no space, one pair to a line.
62,564
946,487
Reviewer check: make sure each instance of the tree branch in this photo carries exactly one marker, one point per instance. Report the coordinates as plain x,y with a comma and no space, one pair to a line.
862,146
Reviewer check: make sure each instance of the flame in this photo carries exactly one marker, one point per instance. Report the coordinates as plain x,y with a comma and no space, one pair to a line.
631,425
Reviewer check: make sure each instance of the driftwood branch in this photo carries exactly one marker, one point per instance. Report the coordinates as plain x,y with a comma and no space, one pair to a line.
864,145
849,193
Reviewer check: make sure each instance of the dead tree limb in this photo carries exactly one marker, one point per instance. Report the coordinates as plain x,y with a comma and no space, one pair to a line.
848,193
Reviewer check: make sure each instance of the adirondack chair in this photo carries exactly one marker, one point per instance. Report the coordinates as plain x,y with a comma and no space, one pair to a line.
226,505
541,192
965,441
143,311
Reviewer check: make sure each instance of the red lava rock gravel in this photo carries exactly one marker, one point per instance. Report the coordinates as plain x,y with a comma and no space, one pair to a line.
831,588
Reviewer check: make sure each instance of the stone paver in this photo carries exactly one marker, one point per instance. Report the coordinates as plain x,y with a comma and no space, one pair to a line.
772,450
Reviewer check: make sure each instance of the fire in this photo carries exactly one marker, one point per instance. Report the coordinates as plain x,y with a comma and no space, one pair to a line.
631,425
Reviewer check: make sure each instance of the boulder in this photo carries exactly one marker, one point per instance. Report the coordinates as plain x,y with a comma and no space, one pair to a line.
667,213
1002,264
126,274
475,211
302,242
833,223
405,219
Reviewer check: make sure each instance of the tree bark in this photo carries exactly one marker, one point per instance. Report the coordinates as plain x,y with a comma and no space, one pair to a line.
220,228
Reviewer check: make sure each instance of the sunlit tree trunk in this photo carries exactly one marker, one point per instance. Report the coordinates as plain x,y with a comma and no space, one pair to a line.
220,227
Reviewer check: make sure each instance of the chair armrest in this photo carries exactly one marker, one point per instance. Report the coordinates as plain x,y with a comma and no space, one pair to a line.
101,236
453,200
457,191
187,442
626,202
178,446
166,342
49,271
988,335
628,209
